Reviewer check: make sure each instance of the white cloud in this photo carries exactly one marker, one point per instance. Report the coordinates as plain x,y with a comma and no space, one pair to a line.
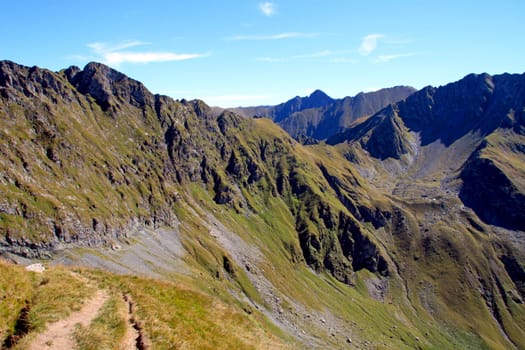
388,58
369,44
279,36
323,56
115,54
147,57
100,47
267,8
318,54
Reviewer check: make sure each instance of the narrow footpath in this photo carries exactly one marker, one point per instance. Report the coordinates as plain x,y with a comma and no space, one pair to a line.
59,335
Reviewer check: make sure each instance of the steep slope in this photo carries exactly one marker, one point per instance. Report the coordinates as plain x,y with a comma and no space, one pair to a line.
135,151
474,120
319,116
320,251
493,180
452,157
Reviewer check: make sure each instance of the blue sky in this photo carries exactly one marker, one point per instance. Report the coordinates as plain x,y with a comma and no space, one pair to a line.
232,53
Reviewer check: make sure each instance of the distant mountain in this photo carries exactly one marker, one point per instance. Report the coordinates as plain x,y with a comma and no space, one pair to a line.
479,121
318,116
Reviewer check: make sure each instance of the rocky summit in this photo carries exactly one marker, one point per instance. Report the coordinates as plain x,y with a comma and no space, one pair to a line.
400,224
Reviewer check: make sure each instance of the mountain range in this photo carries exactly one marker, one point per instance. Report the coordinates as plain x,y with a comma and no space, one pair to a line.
399,225
318,116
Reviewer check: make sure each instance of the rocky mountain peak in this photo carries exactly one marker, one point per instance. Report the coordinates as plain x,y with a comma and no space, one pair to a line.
8,71
107,86
319,98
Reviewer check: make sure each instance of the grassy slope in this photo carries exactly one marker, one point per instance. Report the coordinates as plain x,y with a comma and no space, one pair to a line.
448,259
173,315
367,321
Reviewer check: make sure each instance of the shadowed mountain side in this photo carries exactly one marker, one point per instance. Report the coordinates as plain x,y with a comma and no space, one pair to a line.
462,115
383,136
494,181
477,103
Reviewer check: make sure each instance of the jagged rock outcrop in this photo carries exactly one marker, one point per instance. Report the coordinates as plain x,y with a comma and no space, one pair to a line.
107,86
477,103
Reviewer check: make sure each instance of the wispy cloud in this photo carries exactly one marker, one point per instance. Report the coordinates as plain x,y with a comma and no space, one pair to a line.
273,59
107,47
267,8
279,36
388,58
324,55
147,57
116,54
369,44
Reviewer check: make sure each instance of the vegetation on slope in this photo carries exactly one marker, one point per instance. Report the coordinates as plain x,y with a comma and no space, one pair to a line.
171,315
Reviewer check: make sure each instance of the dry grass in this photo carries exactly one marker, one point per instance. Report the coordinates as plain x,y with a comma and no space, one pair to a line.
172,316
31,300
16,288
175,317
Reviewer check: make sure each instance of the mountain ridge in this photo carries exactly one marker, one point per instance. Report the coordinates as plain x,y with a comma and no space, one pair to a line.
318,116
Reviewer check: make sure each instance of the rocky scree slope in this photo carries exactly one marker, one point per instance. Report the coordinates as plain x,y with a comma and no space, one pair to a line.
482,116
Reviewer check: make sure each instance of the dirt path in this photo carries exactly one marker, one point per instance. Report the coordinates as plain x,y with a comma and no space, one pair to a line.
58,335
